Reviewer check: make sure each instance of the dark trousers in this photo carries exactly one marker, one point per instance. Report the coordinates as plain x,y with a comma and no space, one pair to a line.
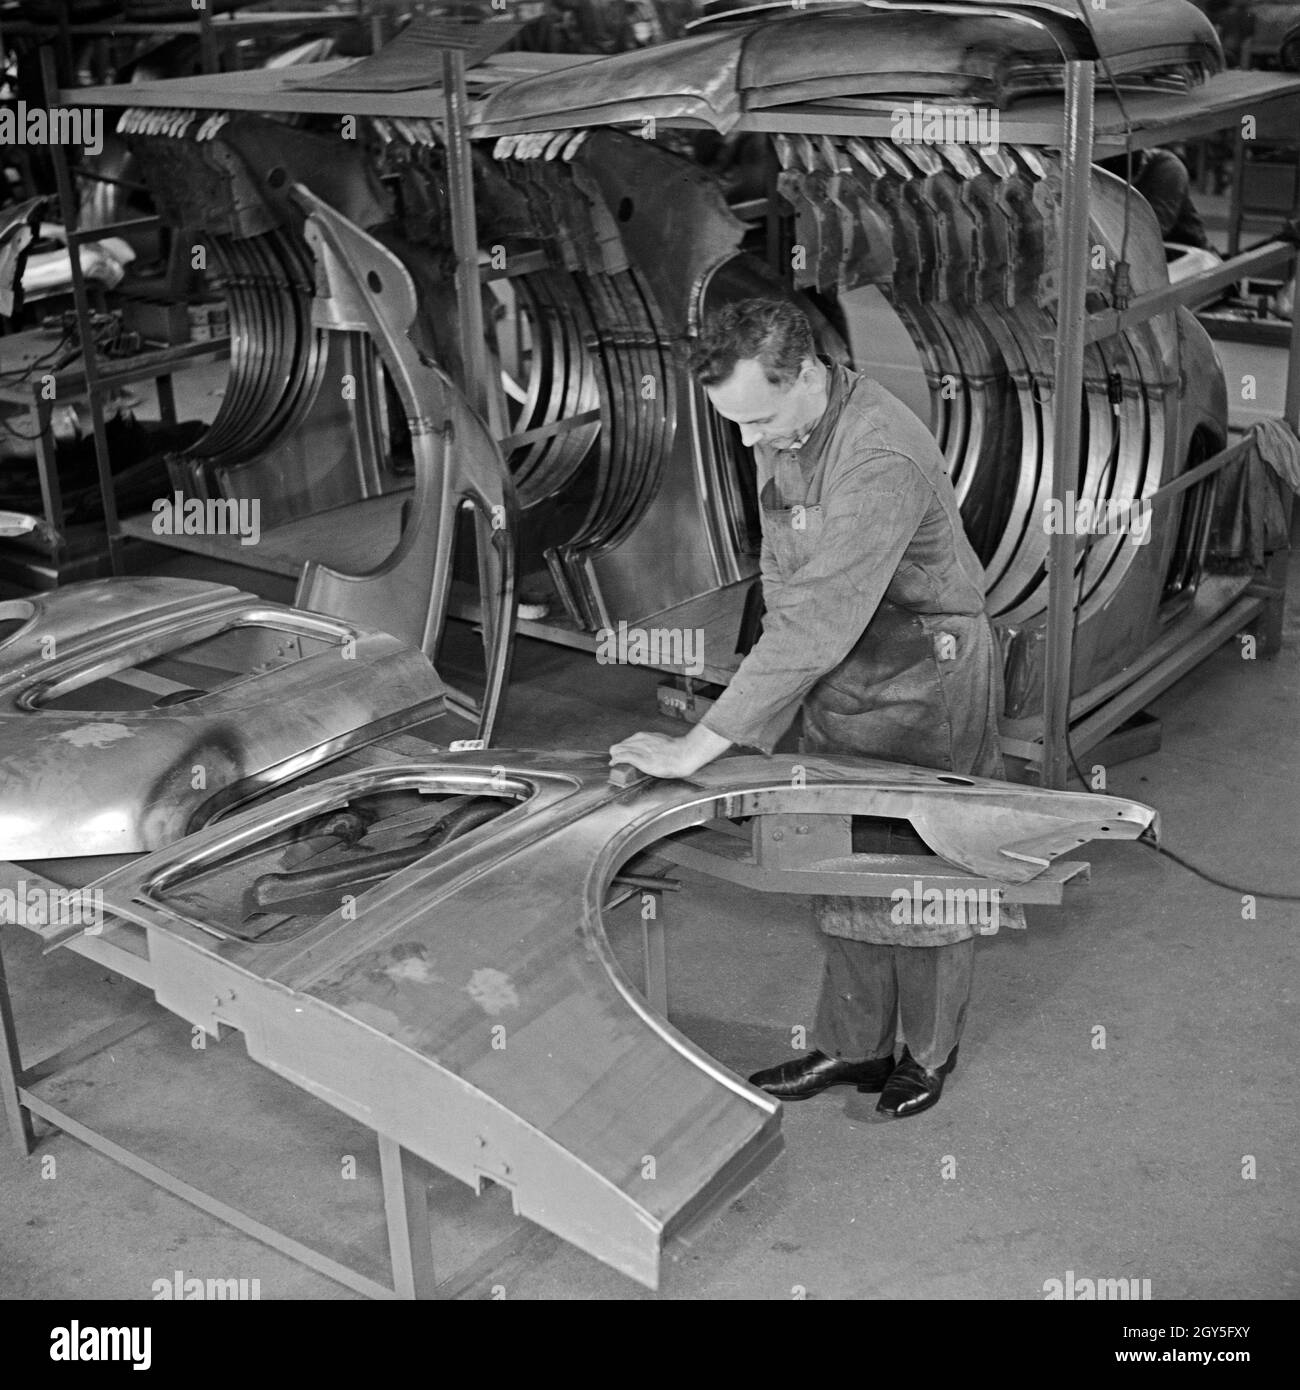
870,991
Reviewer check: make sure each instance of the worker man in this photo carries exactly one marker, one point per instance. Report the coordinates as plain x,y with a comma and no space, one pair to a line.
875,626
1161,177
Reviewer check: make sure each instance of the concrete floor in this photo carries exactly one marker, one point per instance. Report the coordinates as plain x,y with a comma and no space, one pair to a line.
1045,1155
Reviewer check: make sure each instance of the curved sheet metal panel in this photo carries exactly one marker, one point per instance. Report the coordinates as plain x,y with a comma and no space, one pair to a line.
650,504
989,54
363,287
470,1006
18,229
132,709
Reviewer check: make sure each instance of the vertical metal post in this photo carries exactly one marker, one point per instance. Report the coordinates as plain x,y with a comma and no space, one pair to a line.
47,469
776,258
1237,212
1291,406
1076,169
66,54
19,1117
460,189
378,24
1268,627
654,956
166,399
209,56
406,1209
68,204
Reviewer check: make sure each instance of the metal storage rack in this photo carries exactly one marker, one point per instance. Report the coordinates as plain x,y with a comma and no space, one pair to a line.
213,31
72,383
1077,132
1081,126
94,378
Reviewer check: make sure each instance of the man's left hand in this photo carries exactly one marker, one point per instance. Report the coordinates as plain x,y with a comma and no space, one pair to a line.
661,756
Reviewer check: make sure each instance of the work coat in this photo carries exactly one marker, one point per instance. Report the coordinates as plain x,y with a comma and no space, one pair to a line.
875,622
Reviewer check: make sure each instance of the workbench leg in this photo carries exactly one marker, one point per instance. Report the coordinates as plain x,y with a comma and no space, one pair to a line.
1238,178
47,467
166,400
19,1117
406,1208
655,956
1267,627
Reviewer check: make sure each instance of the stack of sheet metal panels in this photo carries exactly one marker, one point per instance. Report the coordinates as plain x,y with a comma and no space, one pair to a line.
636,243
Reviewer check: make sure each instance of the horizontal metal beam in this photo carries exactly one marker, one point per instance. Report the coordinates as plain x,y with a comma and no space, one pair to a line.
1155,118
751,209
144,1015
214,1206
522,263
82,234
888,872
1224,459
1261,332
122,371
220,24
1111,321
1089,732
551,431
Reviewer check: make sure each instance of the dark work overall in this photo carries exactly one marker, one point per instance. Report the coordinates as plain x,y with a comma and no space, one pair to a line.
922,688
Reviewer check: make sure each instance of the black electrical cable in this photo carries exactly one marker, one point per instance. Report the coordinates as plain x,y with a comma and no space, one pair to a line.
17,433
1128,159
1079,773
16,373
1123,260
1222,882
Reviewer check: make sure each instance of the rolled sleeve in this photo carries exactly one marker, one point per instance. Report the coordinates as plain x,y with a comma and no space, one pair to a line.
816,614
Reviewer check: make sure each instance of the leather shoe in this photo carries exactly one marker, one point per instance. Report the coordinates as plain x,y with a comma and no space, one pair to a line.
912,1088
806,1076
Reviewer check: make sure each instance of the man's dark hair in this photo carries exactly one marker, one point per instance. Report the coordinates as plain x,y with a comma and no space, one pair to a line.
772,331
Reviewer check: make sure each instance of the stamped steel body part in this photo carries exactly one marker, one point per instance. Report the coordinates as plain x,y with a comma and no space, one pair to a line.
286,433
362,287
985,342
559,387
989,54
19,226
1173,412
470,1007
671,514
960,239
630,203
133,709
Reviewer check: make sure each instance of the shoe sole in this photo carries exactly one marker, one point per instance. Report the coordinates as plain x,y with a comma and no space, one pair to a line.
884,1115
870,1088
918,1109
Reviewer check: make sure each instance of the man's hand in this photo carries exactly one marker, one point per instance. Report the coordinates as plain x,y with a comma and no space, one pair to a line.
661,756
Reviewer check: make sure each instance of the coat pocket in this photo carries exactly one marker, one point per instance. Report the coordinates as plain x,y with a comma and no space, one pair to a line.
894,648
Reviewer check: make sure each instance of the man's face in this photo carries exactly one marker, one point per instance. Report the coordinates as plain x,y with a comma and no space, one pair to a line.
775,415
